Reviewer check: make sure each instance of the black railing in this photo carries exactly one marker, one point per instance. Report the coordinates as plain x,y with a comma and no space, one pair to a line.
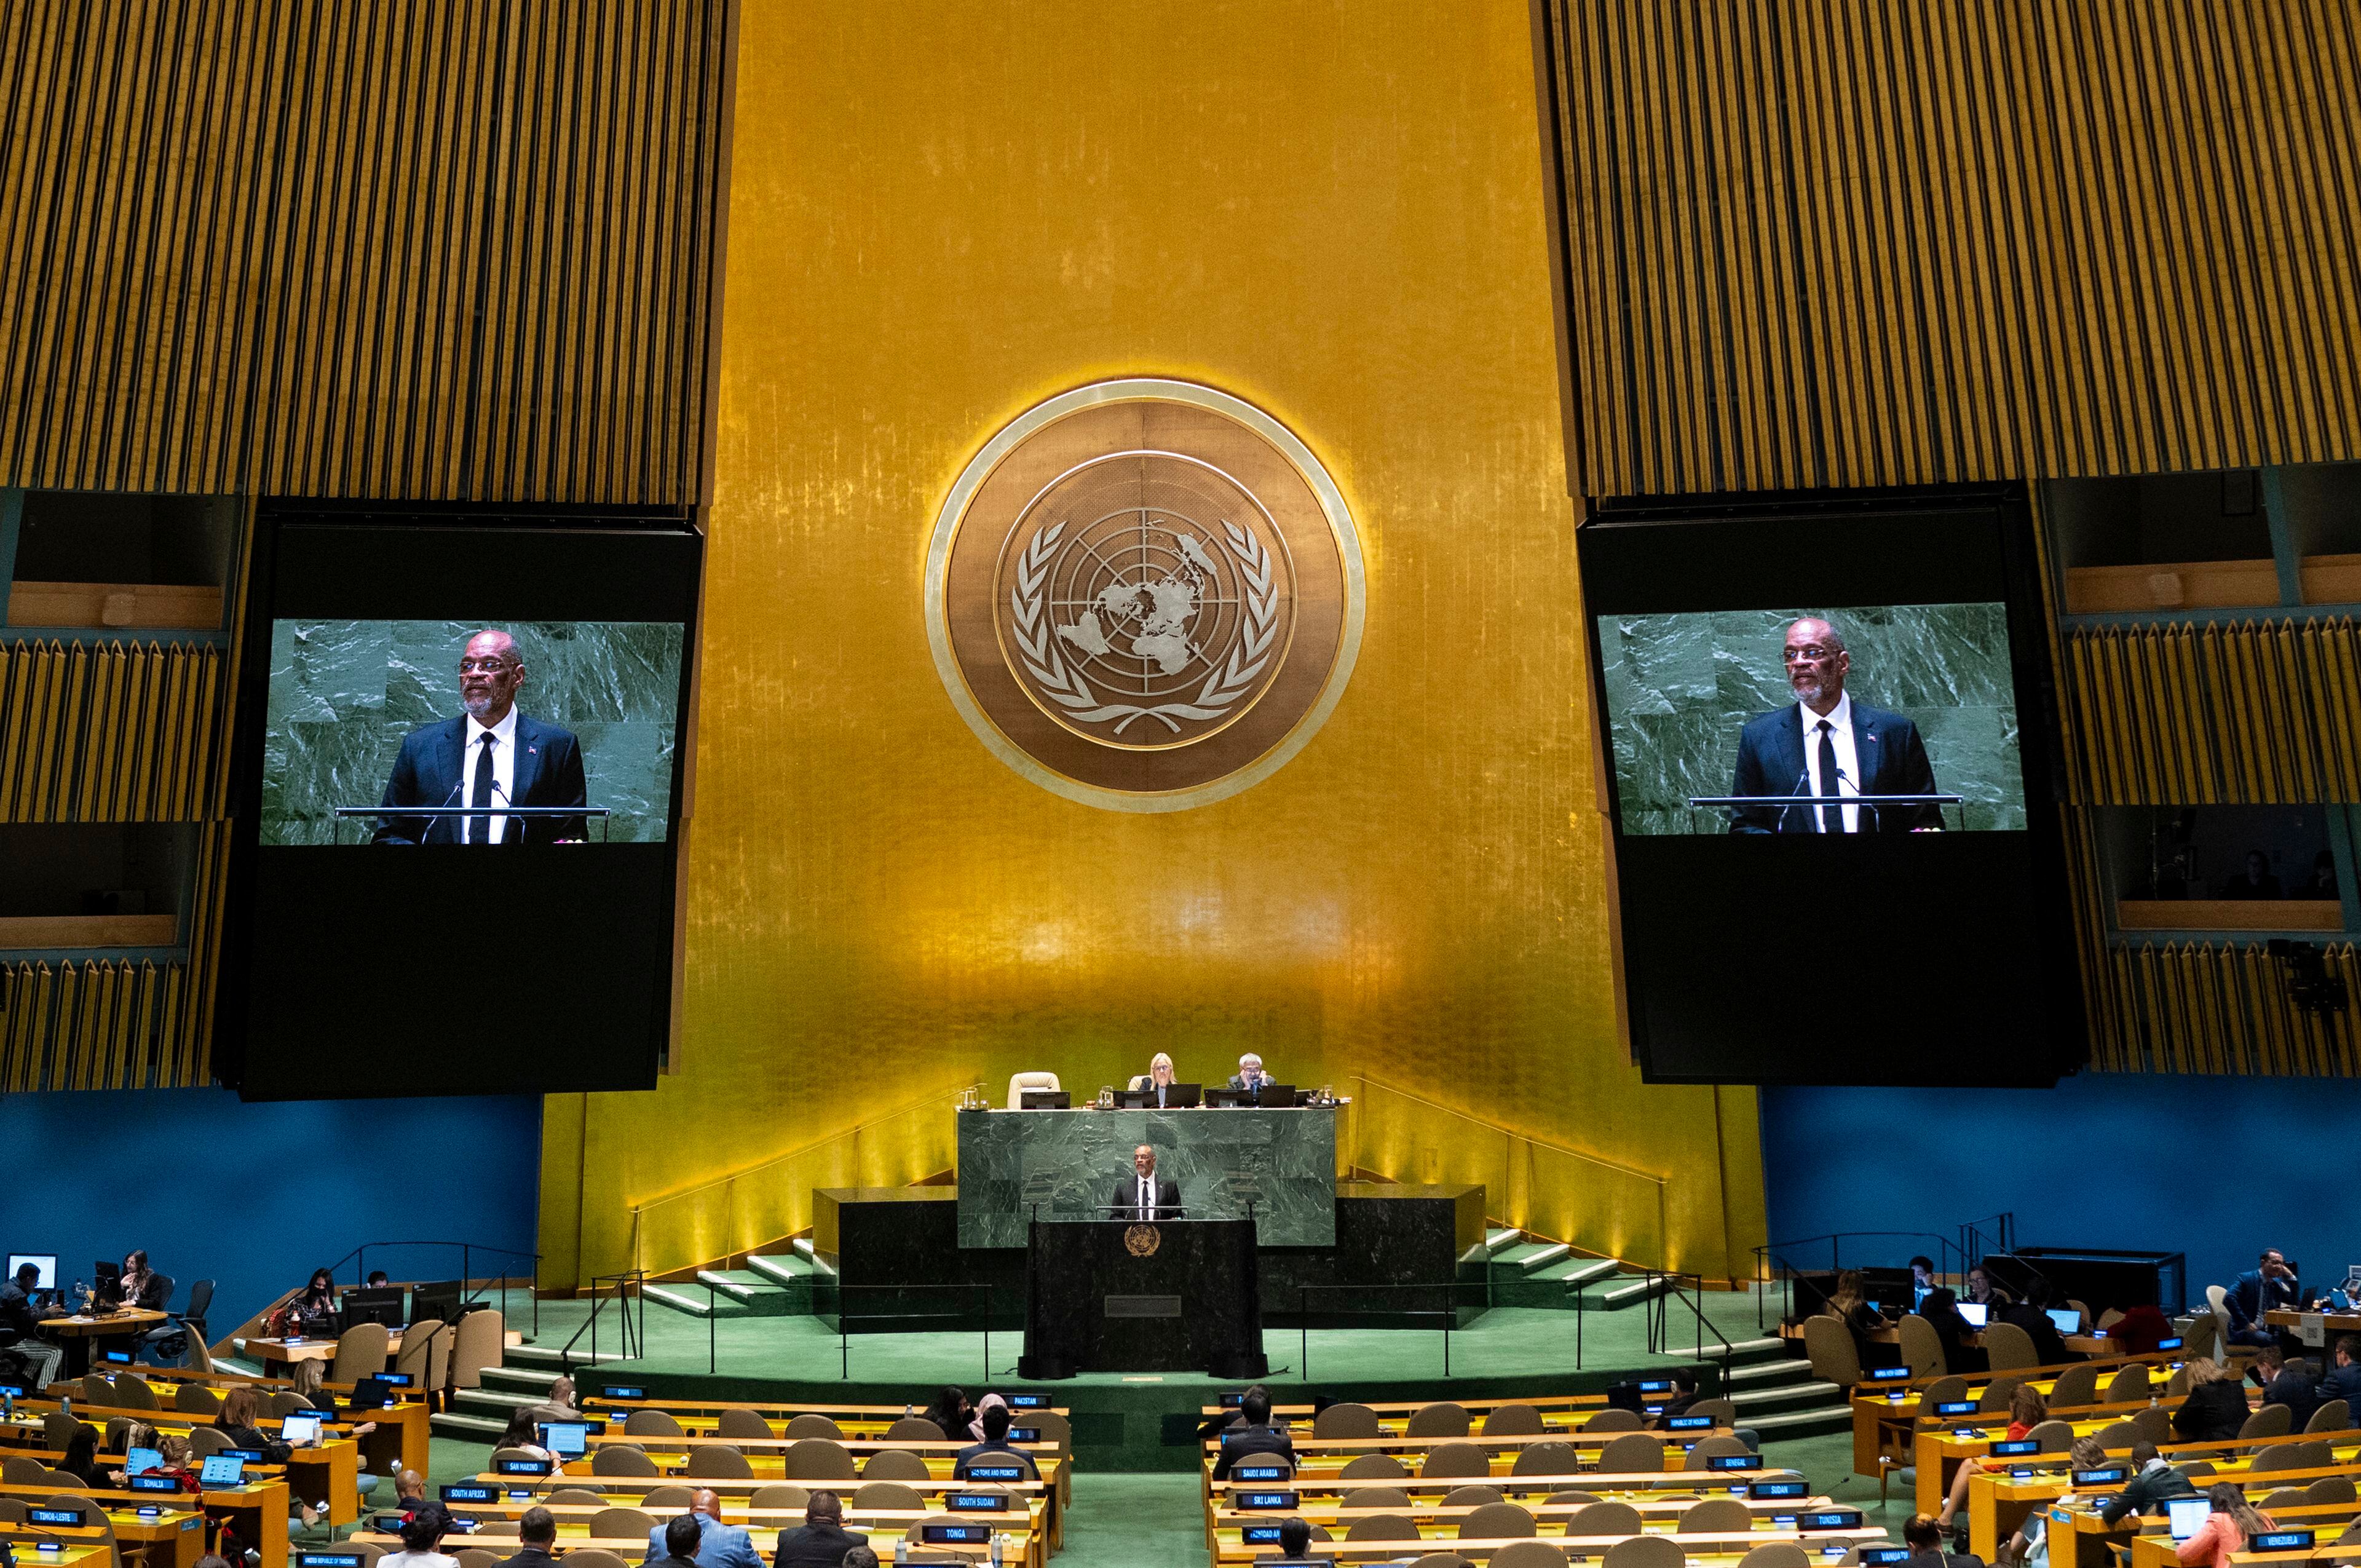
978,1316
358,1258
1450,1294
1660,1319
633,1336
1773,1265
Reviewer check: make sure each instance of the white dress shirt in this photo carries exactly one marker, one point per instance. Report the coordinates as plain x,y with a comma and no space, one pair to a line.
486,829
1839,721
1146,1196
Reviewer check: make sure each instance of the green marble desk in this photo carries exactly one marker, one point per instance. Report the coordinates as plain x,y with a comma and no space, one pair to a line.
1068,1161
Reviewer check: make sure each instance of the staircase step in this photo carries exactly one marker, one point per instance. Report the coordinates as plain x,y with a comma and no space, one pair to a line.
803,1245
1788,1398
1497,1242
692,1300
534,1380
558,1356
1556,1252
489,1401
789,1268
1763,1374
1590,1271
1768,1348
471,1429
1631,1295
1800,1423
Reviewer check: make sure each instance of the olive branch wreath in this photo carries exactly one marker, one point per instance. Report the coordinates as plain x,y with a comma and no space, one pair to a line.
1065,685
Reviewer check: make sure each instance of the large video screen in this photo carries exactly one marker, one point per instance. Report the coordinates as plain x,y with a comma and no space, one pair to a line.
1831,762
460,770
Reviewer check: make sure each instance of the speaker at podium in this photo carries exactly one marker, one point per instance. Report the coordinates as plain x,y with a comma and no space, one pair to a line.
1143,1295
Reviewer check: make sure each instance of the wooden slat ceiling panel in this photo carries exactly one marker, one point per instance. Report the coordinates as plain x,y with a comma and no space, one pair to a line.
439,249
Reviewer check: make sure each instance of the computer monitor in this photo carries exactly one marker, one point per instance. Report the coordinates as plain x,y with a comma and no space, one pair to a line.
2068,1320
372,1394
1278,1094
106,1283
47,1262
1974,1313
437,1302
566,1440
380,1304
139,1460
2186,1516
221,1470
1043,1100
299,1428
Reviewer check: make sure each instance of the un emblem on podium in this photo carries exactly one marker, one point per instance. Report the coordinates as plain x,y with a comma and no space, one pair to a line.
1145,595
1141,1241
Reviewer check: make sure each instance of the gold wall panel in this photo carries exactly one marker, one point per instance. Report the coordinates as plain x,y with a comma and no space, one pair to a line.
941,216
1883,241
443,249
109,731
2201,1008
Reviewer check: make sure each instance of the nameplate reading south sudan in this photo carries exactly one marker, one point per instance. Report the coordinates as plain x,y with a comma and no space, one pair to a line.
1143,1306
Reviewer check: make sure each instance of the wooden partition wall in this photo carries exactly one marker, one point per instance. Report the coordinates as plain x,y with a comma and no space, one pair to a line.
1887,243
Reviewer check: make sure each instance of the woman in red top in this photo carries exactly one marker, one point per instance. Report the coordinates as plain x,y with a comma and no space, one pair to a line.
2027,1410
2227,1529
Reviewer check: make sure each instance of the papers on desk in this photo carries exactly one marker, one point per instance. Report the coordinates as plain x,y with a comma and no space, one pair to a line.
2312,1328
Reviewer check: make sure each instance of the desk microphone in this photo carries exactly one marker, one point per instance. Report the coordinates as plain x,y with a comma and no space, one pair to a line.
1877,820
439,806
1803,777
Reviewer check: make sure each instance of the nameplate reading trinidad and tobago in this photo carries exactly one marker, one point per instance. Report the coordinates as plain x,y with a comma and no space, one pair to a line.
1145,595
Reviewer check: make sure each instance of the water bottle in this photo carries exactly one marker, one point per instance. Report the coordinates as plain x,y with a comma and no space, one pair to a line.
999,1539
65,1404
902,1550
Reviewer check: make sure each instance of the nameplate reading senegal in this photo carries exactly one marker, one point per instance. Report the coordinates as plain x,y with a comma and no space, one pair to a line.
1145,595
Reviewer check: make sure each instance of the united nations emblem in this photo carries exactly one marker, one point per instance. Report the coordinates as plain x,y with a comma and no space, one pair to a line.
1141,1241
1145,595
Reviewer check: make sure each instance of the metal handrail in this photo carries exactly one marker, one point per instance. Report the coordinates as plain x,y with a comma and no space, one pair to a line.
1659,1326
358,1257
1448,1312
1769,1252
844,1334
623,1283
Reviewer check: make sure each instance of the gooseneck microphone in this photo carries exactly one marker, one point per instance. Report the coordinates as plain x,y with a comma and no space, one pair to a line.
1803,777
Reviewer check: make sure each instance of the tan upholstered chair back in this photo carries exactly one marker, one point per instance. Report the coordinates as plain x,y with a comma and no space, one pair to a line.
1921,1349
718,1461
1441,1420
2078,1385
1372,1467
1513,1420
615,1459
1018,1082
2009,1348
1547,1459
1634,1453
1383,1527
1450,1461
1495,1521
360,1353
820,1459
479,1341
1346,1420
1364,1500
1829,1344
750,1423
895,1465
651,1423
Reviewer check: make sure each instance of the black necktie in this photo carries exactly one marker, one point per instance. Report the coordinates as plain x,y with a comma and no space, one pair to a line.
1831,817
1143,1198
480,828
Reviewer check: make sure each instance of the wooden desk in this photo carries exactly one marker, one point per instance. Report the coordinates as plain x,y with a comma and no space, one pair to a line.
288,1352
2333,1324
1875,1406
629,1491
172,1538
884,1527
2152,1547
328,1472
257,1510
82,1330
1997,1504
1402,1409
75,1548
1712,1549
1436,1523
402,1435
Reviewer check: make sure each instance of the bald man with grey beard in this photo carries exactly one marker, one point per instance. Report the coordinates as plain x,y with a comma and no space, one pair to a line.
1832,750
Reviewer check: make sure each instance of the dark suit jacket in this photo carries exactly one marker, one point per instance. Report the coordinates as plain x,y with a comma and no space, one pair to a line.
2211,1412
1892,762
2341,1383
2251,1295
815,1546
1126,1194
2047,1343
994,1451
534,1557
2299,1393
2147,1493
431,771
1252,1440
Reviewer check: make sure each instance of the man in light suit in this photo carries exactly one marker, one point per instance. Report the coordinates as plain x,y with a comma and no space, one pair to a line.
1828,744
1144,1195
719,1545
492,754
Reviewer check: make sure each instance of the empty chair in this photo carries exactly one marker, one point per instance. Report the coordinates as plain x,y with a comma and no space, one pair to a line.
667,1499
1530,1554
777,1497
2155,1423
1443,1560
2334,1415
416,1357
2129,1386
899,1465
1723,1411
620,1459
97,1389
2001,1393
2196,1470
206,1441
1614,1420
1373,1467
1383,1527
1018,1082
360,1353
593,1559
1948,1390
1346,1420
1365,1500
820,1459
1470,1497
478,1340
1920,1347
576,1496
133,1394
908,1428
1604,1518
1776,1554
621,1524
2285,1498
1547,1459
651,1423
2055,1437
1829,1344
1709,1448
2078,1385
2111,1317
1717,1514
284,1402
1642,1552
1562,1500
12,1510
718,1461
200,1357
747,1423
22,1470
2121,1434
2312,1455
1440,1420
2330,1489
810,1425
1634,1453
1495,1521
2271,1420
889,1494
2009,1347
2202,1337
93,1517
1447,1460
1512,1420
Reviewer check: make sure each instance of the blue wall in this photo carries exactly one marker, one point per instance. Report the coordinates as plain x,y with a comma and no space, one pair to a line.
258,1196
2202,1166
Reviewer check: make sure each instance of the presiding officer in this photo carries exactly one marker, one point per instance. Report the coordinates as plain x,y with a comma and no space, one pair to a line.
1158,1077
1251,1074
1144,1195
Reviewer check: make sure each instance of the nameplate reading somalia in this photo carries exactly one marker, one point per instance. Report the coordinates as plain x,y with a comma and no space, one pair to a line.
1145,595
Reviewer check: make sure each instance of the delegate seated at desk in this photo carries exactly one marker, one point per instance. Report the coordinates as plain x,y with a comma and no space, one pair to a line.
536,1536
2270,1285
1258,1437
1251,1074
19,1316
1158,1079
2294,1384
822,1542
994,1449
1144,1195
2153,1484
2343,1379
715,1544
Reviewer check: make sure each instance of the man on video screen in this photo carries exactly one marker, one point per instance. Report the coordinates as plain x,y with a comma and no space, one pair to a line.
492,755
1828,744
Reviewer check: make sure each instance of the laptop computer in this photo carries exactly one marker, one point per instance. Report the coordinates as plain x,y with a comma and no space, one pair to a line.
299,1428
1974,1313
2186,1516
1274,1094
1043,1100
139,1460
1177,1096
221,1470
566,1440
2068,1320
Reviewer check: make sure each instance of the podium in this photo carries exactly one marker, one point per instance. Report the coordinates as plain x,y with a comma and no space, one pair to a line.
1120,1296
